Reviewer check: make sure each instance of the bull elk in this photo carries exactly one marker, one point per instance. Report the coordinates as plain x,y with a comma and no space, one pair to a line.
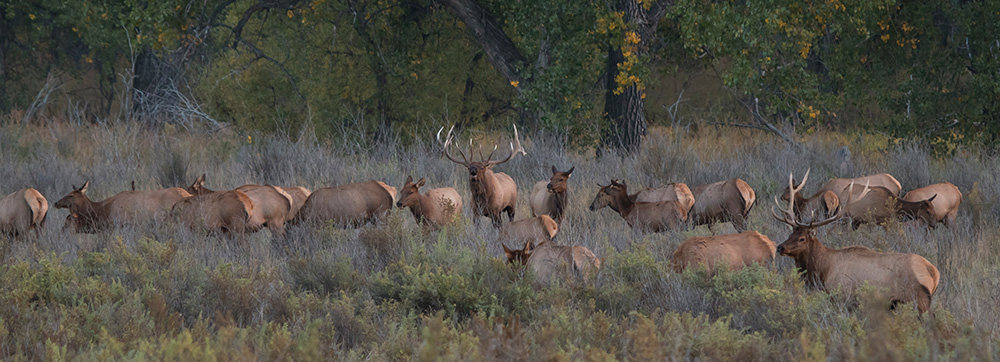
823,204
645,216
22,211
347,205
549,197
732,251
126,207
547,259
269,206
493,193
723,201
945,201
839,185
433,210
903,277
533,231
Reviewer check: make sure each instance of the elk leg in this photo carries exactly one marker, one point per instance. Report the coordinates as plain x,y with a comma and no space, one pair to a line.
510,212
740,224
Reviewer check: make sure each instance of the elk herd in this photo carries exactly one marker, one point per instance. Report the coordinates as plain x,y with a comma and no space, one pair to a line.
531,241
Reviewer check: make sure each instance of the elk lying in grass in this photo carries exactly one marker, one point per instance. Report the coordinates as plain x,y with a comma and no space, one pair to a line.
493,193
732,251
350,205
22,211
902,277
723,201
945,201
670,192
533,231
645,216
126,207
269,205
547,259
227,212
823,204
549,197
437,208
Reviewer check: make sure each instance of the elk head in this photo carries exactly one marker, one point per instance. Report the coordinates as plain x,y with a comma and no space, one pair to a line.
557,184
518,256
409,195
198,187
76,199
921,210
477,169
608,195
796,190
803,237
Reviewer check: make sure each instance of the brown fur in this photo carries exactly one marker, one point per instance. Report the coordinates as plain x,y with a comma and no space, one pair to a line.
839,185
22,211
223,211
437,208
881,205
671,192
347,205
947,199
299,195
549,197
723,201
391,190
645,216
533,231
493,193
127,207
733,251
271,206
548,259
821,205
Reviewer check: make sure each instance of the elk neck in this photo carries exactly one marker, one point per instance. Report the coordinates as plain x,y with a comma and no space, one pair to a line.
623,205
814,263
485,186
559,200
422,208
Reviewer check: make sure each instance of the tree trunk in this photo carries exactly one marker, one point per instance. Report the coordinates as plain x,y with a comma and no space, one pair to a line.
4,106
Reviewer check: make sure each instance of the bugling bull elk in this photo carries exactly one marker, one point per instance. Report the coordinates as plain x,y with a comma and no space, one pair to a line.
904,277
493,193
547,259
945,198
549,197
433,210
347,205
645,216
22,211
126,207
733,251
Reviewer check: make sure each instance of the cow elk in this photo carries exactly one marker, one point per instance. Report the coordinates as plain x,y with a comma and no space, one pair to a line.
228,212
732,251
549,197
299,195
533,231
723,201
22,211
902,277
645,216
548,259
433,210
493,193
670,192
269,205
126,207
350,205
945,201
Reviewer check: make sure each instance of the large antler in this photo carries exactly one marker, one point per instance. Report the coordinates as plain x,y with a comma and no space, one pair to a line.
447,143
515,147
788,215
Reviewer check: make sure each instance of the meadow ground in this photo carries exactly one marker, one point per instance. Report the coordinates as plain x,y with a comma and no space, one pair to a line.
388,292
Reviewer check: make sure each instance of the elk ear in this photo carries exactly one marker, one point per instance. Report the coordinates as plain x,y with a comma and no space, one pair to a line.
421,182
554,169
83,189
200,181
409,179
527,247
508,252
570,171
932,198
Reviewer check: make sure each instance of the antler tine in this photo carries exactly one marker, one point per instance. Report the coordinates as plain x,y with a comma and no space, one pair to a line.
515,147
843,207
804,178
491,152
447,143
786,217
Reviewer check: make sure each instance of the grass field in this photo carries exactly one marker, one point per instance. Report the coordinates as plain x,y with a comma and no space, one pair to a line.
388,292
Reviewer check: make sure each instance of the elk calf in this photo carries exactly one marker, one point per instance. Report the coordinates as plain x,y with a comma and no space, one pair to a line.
902,277
126,207
645,216
492,193
437,208
549,197
350,205
547,259
22,211
733,251
532,231
945,201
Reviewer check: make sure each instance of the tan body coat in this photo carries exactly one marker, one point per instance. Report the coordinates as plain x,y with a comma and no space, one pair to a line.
547,259
723,201
347,205
271,207
733,251
434,209
493,193
299,196
671,192
946,202
644,216
22,211
532,231
218,212
126,207
839,185
881,205
550,197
